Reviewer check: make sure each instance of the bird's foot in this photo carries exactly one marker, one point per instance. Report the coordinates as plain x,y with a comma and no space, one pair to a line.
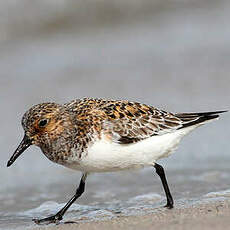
169,205
55,219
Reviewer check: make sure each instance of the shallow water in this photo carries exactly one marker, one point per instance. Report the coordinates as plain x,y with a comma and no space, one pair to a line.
177,59
128,194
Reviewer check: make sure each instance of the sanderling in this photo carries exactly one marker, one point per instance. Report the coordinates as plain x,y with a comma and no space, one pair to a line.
97,135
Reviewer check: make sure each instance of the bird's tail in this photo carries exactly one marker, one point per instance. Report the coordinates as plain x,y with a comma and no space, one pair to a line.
190,119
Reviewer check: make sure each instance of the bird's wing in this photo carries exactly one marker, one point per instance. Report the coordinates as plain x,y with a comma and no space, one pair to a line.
129,122
155,122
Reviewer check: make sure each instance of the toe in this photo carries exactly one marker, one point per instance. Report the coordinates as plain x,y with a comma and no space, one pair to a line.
49,220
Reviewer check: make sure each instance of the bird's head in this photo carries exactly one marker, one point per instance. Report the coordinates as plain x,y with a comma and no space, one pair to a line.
42,123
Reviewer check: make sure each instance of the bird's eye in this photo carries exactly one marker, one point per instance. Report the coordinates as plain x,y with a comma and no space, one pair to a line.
42,123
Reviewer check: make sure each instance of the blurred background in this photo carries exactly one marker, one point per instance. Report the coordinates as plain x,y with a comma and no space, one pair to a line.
173,54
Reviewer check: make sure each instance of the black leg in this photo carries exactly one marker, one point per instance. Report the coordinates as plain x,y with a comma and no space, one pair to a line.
58,216
161,173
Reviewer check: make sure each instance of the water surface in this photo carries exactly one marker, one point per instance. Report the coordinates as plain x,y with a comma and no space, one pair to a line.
176,59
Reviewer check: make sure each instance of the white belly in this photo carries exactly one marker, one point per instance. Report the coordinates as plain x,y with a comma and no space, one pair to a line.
107,156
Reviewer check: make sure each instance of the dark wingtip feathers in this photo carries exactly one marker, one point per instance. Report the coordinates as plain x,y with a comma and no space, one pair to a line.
190,119
200,114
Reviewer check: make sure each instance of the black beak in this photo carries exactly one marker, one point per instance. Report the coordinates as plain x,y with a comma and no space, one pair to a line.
26,142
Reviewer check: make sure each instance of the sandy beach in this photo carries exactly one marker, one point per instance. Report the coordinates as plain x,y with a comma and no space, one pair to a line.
211,215
173,55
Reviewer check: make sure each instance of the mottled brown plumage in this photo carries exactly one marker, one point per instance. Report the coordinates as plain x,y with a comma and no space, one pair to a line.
77,124
97,135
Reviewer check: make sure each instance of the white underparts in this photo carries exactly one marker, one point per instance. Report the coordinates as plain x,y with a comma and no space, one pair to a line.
106,156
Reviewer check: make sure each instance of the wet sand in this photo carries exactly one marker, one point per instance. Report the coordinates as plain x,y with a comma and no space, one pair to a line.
170,54
212,215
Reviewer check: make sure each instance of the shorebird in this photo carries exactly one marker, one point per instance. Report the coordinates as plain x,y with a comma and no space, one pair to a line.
97,135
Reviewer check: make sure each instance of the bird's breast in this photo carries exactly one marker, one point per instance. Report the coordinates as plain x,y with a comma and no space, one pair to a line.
107,156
